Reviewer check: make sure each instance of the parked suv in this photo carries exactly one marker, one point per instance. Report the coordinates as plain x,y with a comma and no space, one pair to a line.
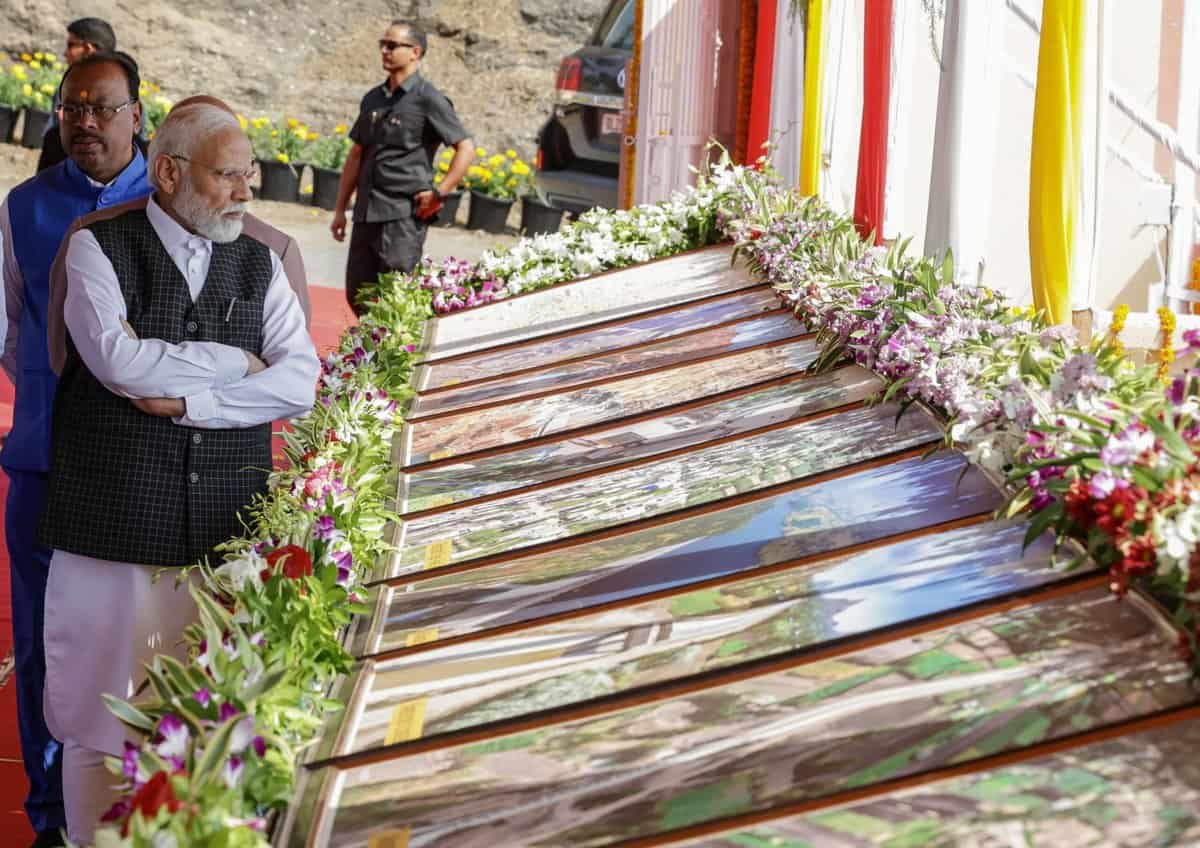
580,145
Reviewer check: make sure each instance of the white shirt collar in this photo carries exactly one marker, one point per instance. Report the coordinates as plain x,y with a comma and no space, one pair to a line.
172,235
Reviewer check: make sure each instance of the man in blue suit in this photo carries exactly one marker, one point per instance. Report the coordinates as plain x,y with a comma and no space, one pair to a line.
99,117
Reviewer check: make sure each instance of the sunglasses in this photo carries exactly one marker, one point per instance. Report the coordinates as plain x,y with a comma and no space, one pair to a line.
389,45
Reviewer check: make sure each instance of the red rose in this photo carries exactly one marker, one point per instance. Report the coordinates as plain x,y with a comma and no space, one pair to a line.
155,794
296,562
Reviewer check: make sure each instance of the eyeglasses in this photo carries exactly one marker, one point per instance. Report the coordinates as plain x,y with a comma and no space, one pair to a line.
229,176
103,114
388,45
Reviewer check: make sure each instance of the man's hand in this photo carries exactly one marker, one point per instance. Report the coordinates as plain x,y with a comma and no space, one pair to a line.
429,203
338,226
162,407
253,363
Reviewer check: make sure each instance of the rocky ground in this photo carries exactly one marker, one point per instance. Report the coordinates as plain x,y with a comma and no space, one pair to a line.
313,59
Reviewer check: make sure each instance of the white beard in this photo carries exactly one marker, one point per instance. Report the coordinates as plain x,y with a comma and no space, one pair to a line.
205,221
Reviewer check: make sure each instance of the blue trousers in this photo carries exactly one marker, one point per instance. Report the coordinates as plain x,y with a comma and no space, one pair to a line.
30,565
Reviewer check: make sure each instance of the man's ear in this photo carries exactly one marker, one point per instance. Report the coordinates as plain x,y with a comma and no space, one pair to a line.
137,117
167,173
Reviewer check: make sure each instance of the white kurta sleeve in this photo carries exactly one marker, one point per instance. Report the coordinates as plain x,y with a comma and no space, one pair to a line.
285,388
13,292
134,368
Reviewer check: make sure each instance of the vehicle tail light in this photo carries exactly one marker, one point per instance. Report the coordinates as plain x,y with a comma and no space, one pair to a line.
570,76
537,160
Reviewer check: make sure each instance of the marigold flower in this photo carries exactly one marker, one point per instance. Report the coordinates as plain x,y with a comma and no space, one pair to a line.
35,64
47,88
282,157
25,57
18,71
292,123
242,122
480,152
340,129
510,153
27,90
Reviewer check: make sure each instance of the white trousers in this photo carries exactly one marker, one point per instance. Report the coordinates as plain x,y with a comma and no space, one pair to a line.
105,621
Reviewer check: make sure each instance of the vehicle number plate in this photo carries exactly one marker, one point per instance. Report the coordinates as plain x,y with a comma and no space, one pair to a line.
610,123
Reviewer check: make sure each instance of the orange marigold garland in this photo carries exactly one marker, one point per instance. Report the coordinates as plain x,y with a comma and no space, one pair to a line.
1165,354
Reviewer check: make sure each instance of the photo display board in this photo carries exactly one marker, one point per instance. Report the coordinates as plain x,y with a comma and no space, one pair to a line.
671,322
658,581
969,691
706,344
630,440
614,294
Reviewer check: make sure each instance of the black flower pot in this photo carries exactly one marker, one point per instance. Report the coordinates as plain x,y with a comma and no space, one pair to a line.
325,187
8,123
279,181
36,122
538,218
450,203
488,213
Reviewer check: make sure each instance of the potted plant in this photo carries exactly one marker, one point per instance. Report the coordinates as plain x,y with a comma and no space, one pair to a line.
279,151
42,74
451,202
154,107
493,187
326,155
11,82
538,215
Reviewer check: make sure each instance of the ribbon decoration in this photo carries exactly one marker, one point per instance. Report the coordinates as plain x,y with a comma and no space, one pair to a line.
873,135
759,131
814,70
1054,168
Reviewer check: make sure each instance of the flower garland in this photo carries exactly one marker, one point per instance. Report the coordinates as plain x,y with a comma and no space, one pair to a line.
1093,448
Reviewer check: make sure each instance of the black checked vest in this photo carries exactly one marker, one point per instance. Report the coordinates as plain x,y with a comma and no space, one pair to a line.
132,487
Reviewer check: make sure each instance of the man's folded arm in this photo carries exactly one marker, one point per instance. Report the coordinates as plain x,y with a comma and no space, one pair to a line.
285,388
94,311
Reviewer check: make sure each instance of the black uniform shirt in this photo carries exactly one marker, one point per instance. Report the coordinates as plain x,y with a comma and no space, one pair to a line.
400,132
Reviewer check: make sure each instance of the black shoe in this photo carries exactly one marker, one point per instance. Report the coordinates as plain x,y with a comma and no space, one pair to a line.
49,839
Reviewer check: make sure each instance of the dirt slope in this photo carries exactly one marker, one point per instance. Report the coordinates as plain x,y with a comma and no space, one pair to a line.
313,59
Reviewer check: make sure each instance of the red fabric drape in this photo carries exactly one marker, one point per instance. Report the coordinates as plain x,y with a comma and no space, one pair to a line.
760,98
872,143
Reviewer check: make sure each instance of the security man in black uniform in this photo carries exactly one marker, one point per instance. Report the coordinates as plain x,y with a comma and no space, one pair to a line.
400,126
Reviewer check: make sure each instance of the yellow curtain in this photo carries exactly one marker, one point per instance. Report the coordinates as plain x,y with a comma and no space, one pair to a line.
814,71
1055,161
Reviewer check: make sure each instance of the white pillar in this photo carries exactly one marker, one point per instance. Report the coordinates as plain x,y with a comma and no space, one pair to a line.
1179,248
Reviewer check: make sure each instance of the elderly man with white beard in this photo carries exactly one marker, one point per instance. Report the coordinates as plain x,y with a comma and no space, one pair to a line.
185,340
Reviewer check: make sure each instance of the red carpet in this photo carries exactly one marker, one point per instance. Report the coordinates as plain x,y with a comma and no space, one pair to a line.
331,316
